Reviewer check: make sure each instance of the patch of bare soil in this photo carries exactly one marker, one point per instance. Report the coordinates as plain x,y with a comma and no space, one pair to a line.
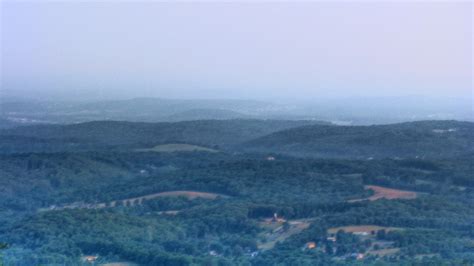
387,193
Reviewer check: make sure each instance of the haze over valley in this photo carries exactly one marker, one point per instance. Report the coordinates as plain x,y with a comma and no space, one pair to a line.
342,111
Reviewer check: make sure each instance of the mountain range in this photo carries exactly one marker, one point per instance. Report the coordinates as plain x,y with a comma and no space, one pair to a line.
344,111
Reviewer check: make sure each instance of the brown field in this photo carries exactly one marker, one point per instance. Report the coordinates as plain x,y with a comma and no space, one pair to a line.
387,193
360,229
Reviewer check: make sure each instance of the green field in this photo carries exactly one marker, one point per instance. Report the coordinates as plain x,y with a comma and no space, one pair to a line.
178,148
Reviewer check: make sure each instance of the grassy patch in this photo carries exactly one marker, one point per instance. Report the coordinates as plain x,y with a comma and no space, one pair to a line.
177,148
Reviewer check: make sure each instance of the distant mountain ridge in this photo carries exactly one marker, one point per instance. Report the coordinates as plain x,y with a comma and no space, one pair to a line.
135,110
350,111
207,114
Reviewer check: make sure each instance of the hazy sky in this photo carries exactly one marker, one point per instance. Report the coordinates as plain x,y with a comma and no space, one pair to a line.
236,50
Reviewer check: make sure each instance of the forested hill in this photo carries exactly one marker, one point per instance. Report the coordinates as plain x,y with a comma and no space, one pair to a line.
4,123
110,192
414,139
430,139
115,134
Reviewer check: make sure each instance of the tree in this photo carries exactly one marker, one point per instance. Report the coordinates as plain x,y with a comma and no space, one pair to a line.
2,247
286,226
381,234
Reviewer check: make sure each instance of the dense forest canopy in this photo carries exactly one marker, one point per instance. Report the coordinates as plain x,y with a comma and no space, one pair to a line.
417,139
237,192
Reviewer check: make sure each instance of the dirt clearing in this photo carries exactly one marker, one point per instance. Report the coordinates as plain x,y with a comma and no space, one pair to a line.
387,193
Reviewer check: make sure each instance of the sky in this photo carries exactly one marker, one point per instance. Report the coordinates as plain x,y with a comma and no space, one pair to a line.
264,50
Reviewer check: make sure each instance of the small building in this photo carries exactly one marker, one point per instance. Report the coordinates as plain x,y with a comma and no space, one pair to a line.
310,245
331,238
276,219
89,259
357,256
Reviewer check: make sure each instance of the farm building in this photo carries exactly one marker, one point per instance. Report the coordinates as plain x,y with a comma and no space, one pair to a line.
310,245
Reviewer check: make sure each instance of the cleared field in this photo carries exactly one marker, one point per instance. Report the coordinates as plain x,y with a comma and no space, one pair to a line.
177,148
183,193
169,212
383,252
387,193
119,264
369,232
278,234
361,229
138,200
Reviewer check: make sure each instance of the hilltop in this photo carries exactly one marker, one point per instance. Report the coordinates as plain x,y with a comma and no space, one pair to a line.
132,135
411,139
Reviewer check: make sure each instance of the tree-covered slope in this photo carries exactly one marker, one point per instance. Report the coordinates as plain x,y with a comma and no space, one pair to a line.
415,139
315,193
116,134
58,207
